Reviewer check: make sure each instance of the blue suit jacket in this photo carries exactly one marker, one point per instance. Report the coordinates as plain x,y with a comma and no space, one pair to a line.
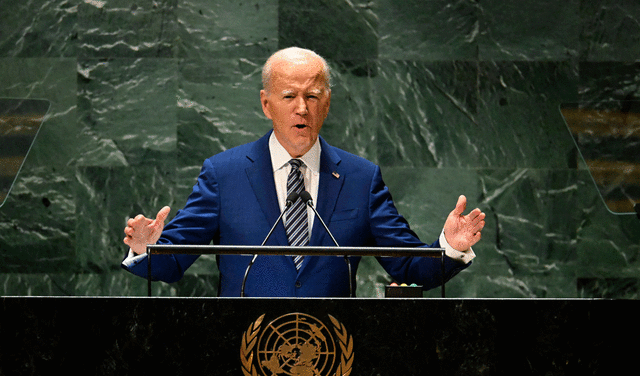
234,202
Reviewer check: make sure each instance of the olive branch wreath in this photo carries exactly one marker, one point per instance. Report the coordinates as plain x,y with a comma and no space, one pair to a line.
346,345
250,339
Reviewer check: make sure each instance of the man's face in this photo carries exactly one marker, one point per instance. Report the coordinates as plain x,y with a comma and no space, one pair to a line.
297,102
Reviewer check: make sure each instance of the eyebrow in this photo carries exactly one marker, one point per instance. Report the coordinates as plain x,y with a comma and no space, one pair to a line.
312,91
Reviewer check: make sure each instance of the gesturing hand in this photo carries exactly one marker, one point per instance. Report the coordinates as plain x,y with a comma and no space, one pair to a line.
463,231
141,230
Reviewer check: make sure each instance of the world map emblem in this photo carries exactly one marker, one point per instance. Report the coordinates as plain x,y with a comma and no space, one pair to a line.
296,344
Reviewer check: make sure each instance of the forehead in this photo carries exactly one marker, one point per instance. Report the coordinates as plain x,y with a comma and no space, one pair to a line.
300,73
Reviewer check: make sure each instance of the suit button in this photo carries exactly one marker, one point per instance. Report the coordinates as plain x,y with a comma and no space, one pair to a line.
298,284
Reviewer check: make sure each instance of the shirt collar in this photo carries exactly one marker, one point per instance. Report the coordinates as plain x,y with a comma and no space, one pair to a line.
280,157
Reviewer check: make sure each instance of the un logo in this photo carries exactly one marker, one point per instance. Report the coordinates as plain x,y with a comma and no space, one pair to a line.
296,344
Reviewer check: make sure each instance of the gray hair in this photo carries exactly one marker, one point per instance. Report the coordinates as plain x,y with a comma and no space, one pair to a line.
266,69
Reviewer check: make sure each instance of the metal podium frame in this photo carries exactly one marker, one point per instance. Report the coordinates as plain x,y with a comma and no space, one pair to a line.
166,249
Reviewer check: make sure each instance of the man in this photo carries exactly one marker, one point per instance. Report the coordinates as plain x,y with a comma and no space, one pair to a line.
241,192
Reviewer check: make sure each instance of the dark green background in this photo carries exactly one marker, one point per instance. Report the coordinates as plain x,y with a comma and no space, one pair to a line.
449,97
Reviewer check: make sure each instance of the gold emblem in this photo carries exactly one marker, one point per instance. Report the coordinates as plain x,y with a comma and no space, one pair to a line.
296,344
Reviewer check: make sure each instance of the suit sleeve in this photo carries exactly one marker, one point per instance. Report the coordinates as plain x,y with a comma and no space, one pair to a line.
196,223
390,229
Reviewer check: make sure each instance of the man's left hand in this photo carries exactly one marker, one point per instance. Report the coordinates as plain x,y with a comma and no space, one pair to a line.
463,231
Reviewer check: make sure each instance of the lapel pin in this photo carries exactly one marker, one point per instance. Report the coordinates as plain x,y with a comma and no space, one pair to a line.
335,175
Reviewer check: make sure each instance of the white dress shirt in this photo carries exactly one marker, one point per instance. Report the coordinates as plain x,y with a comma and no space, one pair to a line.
310,171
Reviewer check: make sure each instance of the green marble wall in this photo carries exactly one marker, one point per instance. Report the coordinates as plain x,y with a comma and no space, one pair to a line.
449,97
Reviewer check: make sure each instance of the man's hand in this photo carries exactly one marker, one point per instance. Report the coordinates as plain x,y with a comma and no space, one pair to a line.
463,231
141,230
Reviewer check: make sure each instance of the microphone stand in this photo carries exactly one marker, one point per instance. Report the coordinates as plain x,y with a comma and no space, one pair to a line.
306,197
293,197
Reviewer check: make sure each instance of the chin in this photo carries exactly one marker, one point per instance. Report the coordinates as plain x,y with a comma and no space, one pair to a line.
301,148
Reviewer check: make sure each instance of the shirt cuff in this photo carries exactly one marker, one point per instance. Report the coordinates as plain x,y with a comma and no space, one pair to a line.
464,256
132,259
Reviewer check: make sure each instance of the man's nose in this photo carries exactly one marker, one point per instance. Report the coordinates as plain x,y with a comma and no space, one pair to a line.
301,106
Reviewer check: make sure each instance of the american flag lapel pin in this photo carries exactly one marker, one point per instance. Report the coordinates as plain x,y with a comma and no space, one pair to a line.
335,175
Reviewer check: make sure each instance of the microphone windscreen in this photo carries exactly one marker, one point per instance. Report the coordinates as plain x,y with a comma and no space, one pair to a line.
305,196
293,197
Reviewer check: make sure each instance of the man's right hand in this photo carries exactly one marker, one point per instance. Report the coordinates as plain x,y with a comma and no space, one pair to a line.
141,230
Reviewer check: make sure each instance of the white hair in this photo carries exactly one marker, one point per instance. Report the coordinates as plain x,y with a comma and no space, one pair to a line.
289,53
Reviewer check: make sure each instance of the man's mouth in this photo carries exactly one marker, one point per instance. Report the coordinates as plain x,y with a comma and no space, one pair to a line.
300,126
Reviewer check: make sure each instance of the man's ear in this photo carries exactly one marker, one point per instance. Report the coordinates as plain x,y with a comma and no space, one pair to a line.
265,103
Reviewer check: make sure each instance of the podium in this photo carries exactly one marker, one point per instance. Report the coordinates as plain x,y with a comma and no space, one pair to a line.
212,336
291,251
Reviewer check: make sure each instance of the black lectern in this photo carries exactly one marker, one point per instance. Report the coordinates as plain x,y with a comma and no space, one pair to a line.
258,336
290,251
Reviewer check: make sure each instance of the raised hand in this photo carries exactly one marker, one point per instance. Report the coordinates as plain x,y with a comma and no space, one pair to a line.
141,230
463,231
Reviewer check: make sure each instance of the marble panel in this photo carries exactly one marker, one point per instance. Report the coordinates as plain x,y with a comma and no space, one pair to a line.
435,30
610,30
427,114
608,244
106,198
603,82
335,29
609,288
529,30
40,28
128,109
519,113
37,223
529,243
425,197
218,107
120,28
228,28
68,283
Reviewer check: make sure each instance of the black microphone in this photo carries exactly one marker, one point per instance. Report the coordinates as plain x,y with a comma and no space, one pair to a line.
306,198
293,197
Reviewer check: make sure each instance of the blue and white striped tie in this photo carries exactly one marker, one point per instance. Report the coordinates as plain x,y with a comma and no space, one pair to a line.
296,224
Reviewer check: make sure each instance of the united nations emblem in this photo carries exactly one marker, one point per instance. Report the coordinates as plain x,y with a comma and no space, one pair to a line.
296,344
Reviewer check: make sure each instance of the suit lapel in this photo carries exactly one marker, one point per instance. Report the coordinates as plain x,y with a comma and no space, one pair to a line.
260,175
329,187
330,184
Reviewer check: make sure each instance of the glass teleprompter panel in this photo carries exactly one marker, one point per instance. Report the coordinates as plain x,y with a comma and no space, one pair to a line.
607,135
20,121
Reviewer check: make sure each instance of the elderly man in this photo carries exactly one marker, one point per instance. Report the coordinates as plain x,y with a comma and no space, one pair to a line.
240,193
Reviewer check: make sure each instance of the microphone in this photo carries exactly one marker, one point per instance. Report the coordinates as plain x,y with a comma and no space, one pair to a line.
293,197
306,198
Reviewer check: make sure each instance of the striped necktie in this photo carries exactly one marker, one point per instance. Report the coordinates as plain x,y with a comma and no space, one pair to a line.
296,224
